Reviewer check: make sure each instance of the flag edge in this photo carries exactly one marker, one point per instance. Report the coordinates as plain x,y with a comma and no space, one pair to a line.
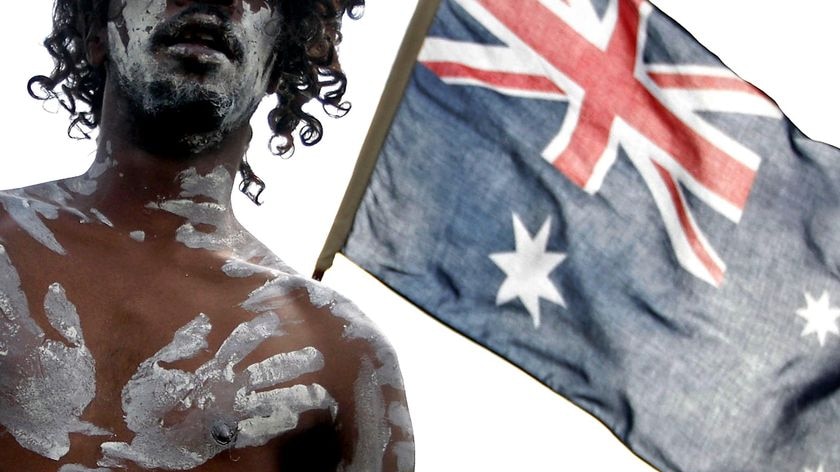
380,126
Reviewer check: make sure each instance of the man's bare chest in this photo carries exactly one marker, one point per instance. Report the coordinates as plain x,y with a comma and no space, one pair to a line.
163,367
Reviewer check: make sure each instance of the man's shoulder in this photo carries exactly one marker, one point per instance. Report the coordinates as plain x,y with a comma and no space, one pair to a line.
290,290
28,209
333,315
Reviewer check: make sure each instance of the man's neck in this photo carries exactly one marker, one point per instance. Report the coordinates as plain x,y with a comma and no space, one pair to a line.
135,187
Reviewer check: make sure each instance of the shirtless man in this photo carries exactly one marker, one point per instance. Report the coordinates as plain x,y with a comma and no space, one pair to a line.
141,327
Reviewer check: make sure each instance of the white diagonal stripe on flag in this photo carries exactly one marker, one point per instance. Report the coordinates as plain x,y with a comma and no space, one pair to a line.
498,68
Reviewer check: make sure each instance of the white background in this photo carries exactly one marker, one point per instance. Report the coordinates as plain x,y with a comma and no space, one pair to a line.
471,411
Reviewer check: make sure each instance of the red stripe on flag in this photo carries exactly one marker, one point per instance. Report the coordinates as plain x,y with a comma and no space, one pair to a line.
688,228
703,82
526,82
611,91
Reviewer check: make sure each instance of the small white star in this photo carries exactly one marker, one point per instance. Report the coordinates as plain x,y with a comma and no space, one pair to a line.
527,270
820,317
818,469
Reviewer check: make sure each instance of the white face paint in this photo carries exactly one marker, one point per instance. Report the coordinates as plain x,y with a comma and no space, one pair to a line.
163,77
138,236
45,385
221,405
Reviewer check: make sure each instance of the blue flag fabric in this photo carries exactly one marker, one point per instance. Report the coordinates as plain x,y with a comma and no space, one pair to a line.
585,190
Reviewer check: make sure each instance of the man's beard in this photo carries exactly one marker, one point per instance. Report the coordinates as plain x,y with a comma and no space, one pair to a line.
178,115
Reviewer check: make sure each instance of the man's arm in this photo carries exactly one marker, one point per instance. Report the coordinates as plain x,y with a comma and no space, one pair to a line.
384,437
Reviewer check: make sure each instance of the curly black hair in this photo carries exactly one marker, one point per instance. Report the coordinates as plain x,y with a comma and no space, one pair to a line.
308,67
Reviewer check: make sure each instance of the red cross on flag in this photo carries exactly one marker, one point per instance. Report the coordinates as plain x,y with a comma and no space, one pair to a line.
567,50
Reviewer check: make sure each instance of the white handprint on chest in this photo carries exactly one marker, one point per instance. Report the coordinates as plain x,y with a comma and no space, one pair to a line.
217,407
45,385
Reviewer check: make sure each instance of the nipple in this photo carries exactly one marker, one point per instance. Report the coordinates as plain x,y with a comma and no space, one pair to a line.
224,433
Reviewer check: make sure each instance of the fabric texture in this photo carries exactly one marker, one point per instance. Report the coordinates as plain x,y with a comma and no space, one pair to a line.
585,190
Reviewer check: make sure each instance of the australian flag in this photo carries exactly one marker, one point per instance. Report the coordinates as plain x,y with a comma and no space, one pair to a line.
584,189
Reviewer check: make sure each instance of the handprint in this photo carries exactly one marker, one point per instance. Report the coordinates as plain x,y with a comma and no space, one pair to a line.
383,426
182,419
45,385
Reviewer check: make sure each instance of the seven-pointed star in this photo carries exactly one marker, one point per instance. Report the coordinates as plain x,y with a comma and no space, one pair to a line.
527,270
820,317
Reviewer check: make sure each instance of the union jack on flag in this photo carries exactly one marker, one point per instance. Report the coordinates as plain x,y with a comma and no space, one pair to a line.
568,50
581,187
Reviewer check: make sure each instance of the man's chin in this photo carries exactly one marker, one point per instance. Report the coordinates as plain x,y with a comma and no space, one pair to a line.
172,121
182,133
174,115
186,130
192,144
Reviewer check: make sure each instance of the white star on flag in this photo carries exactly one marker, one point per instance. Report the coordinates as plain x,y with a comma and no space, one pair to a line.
527,270
820,317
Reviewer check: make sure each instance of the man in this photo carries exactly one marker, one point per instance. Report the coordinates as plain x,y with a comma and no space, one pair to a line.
141,327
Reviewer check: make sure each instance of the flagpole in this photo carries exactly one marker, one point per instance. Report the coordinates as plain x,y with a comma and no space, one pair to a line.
385,111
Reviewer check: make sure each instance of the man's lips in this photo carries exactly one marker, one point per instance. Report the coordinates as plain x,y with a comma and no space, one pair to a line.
200,36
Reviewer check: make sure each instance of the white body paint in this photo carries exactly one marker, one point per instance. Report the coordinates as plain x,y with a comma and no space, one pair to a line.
252,257
398,416
81,186
200,213
28,213
213,213
45,385
238,85
51,193
249,255
214,185
271,296
138,236
28,206
371,422
215,394
375,424
243,404
86,184
102,218
80,468
48,404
